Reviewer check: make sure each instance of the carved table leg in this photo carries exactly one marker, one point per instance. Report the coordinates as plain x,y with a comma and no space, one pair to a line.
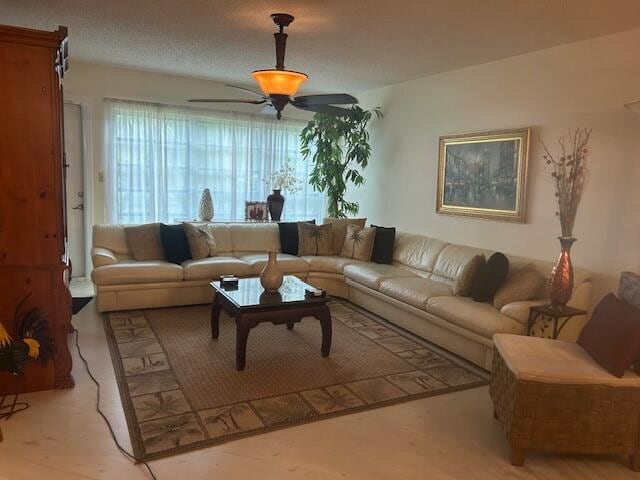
290,326
517,456
215,317
324,316
242,334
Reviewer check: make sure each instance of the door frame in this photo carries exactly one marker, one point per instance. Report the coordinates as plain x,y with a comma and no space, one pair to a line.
87,174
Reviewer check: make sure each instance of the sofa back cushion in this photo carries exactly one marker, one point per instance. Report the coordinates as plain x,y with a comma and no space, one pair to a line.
144,242
458,266
254,237
417,252
112,238
222,236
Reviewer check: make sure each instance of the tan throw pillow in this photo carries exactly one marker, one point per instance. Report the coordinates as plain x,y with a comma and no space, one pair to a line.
314,239
465,281
358,243
524,285
340,231
144,242
200,240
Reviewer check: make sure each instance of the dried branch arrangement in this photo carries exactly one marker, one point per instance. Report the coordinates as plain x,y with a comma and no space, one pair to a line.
569,173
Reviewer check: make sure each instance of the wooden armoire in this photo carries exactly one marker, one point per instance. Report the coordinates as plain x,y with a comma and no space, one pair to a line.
33,240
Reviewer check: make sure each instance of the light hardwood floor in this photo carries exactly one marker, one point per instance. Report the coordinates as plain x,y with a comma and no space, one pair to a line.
450,436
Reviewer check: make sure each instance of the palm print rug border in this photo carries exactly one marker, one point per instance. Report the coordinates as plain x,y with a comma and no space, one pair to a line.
180,389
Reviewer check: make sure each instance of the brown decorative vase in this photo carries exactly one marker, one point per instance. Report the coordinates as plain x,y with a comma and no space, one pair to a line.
275,202
271,275
561,279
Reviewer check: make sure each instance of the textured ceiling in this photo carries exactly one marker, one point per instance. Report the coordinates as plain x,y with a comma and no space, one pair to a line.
342,44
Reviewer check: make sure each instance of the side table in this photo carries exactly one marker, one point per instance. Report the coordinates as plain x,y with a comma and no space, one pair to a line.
559,316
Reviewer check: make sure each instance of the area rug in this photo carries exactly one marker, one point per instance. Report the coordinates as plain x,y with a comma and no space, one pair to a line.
181,391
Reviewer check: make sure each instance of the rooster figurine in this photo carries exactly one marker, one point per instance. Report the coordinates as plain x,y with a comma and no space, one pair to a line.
34,341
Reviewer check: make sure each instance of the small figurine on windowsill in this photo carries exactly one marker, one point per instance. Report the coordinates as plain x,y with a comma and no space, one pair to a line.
34,341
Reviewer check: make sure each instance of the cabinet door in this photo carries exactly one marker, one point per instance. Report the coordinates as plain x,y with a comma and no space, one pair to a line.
30,149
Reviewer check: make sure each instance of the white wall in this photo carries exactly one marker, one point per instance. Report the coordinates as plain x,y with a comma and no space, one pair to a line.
92,83
583,84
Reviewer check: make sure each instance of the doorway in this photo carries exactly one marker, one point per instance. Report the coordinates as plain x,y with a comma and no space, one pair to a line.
73,139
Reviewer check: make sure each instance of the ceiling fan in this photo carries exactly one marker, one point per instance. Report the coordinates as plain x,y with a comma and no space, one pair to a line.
280,85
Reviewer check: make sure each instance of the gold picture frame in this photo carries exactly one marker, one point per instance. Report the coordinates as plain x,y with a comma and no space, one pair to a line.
484,175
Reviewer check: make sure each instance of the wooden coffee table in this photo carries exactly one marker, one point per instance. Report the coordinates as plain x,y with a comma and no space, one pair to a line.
249,305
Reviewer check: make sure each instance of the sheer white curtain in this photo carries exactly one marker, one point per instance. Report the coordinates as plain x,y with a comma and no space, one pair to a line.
159,159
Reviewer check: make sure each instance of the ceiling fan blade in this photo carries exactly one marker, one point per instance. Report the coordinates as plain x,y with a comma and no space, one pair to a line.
326,99
225,100
247,90
328,109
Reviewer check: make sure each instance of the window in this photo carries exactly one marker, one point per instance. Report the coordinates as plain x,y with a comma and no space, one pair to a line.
160,158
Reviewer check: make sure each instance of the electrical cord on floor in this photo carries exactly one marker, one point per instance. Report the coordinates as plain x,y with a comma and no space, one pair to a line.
104,417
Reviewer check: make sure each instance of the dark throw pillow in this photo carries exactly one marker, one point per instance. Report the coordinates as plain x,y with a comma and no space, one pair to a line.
289,236
174,242
612,336
491,278
383,244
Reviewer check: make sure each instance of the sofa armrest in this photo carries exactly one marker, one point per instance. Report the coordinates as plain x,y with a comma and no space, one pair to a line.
520,310
102,256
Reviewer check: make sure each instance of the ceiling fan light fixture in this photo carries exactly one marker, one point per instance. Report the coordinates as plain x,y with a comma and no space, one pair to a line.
279,82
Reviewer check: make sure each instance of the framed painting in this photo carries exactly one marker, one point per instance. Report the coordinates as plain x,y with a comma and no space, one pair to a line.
484,175
256,212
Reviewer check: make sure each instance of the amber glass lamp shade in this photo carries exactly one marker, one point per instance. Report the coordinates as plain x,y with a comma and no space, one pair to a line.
279,82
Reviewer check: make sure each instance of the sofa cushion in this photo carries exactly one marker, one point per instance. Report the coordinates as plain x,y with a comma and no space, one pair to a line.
339,231
213,267
102,256
414,291
111,237
524,285
544,360
417,251
372,274
358,243
174,242
222,236
287,263
129,272
481,318
328,263
455,264
200,240
314,239
491,277
289,236
255,237
144,242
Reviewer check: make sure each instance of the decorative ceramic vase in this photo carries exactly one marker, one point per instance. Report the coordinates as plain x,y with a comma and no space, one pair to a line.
275,202
206,206
561,279
271,275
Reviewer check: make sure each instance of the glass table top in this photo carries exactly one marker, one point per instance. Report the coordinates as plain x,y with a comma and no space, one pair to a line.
249,293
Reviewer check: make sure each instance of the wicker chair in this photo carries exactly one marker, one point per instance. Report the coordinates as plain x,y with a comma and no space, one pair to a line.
551,396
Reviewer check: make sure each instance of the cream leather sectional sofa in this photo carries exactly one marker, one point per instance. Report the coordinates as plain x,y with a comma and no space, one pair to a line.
415,293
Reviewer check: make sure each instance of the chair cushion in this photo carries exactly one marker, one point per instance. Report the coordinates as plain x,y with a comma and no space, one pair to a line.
414,291
144,242
287,263
213,267
612,336
481,318
372,274
130,272
555,361
328,264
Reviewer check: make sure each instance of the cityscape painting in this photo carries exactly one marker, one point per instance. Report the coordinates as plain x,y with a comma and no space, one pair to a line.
483,175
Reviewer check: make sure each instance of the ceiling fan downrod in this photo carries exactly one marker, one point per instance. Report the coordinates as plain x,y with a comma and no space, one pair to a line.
282,20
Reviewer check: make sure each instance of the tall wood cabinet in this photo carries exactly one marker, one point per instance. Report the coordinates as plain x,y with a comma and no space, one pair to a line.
33,246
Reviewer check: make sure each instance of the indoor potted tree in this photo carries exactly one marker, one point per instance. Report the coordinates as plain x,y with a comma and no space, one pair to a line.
338,147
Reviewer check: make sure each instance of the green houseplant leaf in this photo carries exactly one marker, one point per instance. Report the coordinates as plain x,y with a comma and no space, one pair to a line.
339,148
